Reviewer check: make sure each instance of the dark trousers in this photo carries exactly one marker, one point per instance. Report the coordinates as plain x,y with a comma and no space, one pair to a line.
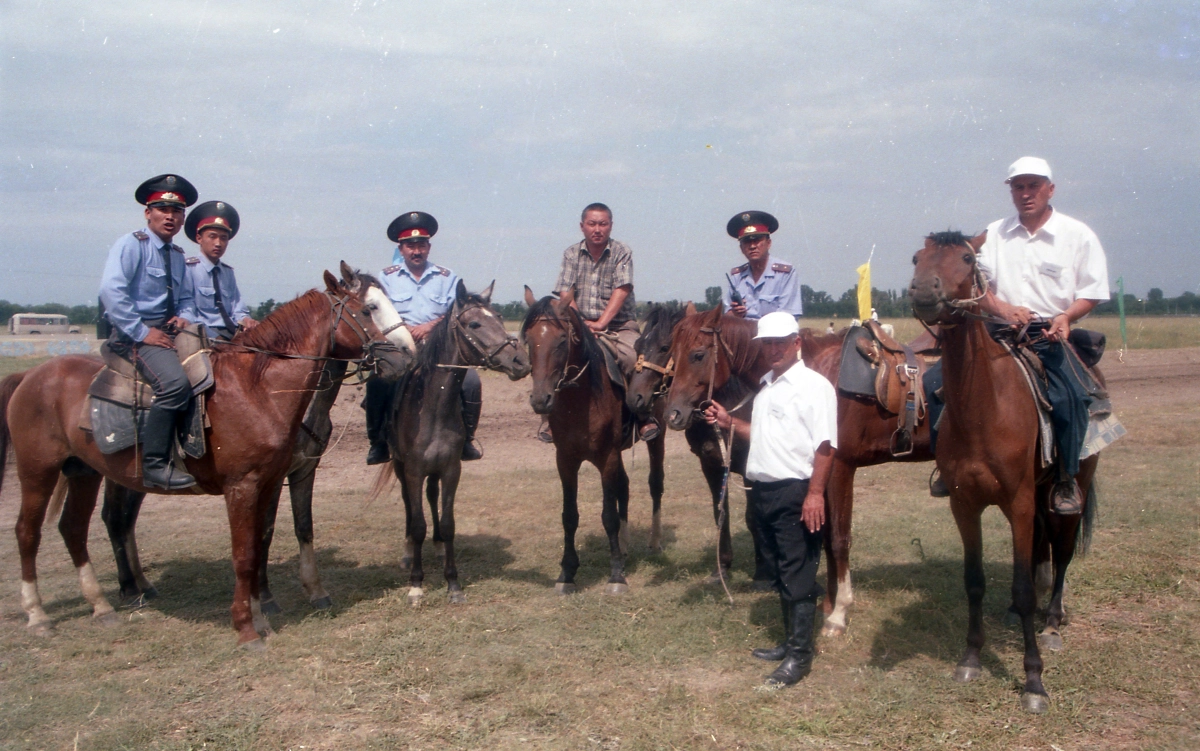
380,394
786,542
161,369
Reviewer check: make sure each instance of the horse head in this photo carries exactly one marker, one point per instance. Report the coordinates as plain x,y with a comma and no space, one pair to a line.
553,334
946,277
357,333
482,338
699,367
652,374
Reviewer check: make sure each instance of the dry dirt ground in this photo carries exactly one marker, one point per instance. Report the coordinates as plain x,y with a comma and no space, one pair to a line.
667,665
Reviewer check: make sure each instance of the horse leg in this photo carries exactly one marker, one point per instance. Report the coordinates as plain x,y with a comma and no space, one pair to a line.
120,513
568,474
35,494
445,525
969,529
73,526
431,497
615,483
1021,518
416,534
839,498
267,600
243,507
1063,533
300,489
656,449
406,558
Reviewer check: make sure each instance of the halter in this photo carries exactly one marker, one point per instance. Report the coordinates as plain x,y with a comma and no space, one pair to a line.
962,306
482,356
667,372
567,380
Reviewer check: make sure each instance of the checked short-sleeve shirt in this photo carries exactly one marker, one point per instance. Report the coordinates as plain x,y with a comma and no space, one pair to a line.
595,281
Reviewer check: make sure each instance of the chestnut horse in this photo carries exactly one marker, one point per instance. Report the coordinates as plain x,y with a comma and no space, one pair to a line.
263,386
571,386
716,354
988,450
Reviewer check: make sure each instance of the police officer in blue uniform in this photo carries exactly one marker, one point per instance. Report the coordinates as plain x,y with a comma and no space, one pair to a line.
759,286
219,304
422,292
148,296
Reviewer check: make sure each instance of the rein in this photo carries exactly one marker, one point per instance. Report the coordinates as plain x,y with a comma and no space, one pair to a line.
567,380
964,306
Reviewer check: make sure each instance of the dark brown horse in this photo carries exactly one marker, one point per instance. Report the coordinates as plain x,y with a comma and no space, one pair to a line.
988,450
715,353
426,432
572,387
255,410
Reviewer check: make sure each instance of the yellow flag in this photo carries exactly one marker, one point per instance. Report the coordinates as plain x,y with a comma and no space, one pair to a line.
864,292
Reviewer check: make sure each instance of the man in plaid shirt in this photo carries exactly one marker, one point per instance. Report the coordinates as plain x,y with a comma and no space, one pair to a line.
601,271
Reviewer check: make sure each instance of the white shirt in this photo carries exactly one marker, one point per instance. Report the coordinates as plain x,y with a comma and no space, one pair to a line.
793,415
1047,271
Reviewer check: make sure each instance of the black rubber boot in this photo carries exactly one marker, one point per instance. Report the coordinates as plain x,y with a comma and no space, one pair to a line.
937,488
1066,498
798,662
470,414
375,403
157,469
777,653
649,430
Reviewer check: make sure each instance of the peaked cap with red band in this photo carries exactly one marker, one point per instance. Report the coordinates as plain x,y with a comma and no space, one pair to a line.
414,225
166,190
750,223
216,214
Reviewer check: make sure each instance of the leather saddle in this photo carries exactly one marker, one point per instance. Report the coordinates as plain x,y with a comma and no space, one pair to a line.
118,397
876,367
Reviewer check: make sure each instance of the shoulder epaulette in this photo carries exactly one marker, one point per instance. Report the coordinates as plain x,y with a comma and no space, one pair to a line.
139,234
175,248
192,261
442,270
782,268
226,265
739,269
392,269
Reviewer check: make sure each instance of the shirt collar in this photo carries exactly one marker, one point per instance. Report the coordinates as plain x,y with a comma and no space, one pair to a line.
1051,227
584,249
208,265
155,241
791,374
398,260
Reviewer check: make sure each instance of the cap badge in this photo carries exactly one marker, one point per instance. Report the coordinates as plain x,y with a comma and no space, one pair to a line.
745,217
169,197
221,221
413,216
220,206
170,180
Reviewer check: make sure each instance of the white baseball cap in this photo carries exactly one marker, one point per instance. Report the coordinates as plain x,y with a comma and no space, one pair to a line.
777,325
1029,165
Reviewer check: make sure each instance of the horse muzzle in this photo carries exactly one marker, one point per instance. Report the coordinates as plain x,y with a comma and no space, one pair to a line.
542,403
928,300
679,419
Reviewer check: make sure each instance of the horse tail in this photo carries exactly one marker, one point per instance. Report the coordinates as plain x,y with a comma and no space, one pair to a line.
383,483
7,387
1090,506
57,499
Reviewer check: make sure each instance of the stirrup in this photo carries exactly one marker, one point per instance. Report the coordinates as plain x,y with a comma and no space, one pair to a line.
649,430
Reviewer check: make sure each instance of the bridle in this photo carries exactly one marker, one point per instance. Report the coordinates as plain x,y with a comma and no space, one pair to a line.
568,379
965,307
666,371
477,353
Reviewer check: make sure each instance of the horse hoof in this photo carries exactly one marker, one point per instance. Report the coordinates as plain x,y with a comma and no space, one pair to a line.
762,585
415,596
108,620
149,593
1035,703
966,673
43,629
564,588
254,646
715,577
458,598
270,607
323,603
1011,619
833,630
616,588
1051,640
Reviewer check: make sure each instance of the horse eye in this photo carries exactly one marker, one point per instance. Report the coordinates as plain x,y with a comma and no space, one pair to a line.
969,258
698,356
474,325
664,349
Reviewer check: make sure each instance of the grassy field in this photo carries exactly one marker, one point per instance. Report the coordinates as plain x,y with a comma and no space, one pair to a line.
666,666
1142,332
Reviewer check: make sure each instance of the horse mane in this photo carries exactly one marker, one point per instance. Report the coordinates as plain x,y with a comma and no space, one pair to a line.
658,316
949,237
284,330
544,308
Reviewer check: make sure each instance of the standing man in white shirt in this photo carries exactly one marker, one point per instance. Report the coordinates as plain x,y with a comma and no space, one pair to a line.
792,434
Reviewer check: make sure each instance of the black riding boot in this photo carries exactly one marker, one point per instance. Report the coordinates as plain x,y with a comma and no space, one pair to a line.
777,653
157,470
798,662
376,402
470,414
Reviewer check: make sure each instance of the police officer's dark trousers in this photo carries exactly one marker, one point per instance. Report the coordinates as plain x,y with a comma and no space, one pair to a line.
378,400
796,554
172,392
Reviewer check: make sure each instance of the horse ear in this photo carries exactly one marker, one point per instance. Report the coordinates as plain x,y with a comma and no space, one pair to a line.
529,298
487,293
567,296
460,292
721,308
348,274
690,308
331,283
977,242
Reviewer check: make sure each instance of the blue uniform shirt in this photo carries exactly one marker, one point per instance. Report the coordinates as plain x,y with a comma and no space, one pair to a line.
200,270
419,300
134,285
777,289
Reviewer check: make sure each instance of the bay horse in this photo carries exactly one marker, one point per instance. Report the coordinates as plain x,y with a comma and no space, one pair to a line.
715,353
571,386
263,387
122,505
426,432
988,451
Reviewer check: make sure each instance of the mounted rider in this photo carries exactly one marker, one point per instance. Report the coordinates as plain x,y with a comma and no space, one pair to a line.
422,292
760,285
1047,270
219,304
148,296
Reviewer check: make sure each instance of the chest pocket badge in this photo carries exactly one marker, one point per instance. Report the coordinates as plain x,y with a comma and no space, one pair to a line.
1052,270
